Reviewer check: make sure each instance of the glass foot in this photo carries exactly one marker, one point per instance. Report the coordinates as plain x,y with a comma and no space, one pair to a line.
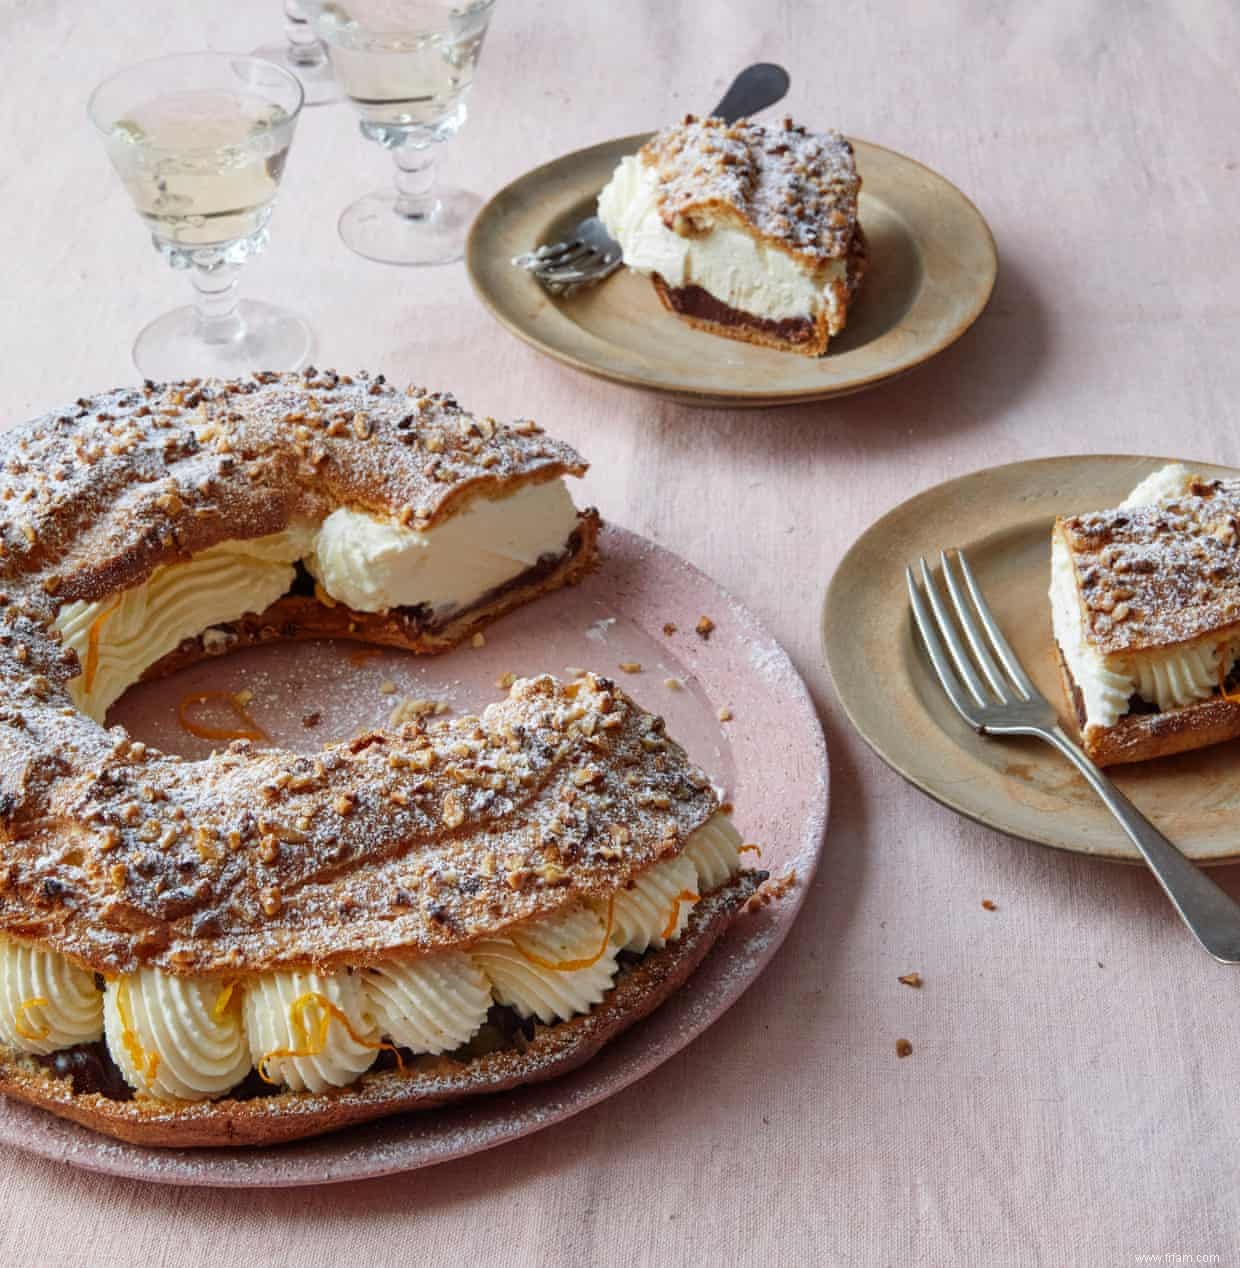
270,338
317,80
374,228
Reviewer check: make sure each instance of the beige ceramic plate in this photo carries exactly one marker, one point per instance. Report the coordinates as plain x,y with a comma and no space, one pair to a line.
931,272
1002,518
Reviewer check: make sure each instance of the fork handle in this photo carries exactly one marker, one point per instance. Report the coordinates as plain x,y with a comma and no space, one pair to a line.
1212,915
755,88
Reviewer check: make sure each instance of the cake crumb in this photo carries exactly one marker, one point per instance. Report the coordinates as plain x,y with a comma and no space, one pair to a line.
243,698
506,680
574,671
673,684
478,640
903,1048
310,720
387,687
631,666
987,905
669,628
724,714
704,628
911,979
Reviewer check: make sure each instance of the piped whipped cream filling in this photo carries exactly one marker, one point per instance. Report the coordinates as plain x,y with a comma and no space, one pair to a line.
368,563
1169,678
735,267
188,1038
46,1003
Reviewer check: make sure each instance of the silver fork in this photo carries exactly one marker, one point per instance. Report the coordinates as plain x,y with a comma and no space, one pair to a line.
1001,700
592,254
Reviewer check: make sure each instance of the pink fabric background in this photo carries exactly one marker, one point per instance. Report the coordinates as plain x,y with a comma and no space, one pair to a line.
1071,1097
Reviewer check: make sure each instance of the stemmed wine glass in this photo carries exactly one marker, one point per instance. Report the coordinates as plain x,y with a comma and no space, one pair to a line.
304,55
199,140
407,66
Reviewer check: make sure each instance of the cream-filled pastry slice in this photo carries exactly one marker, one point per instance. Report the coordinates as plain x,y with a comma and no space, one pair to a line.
1145,611
367,562
746,231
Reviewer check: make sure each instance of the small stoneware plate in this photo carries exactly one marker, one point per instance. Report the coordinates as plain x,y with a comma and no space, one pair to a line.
932,268
1002,519
769,759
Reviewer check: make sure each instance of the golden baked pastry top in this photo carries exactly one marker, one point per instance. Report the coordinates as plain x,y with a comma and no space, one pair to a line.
795,189
1156,576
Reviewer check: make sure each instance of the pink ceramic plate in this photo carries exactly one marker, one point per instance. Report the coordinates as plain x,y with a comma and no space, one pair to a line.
770,760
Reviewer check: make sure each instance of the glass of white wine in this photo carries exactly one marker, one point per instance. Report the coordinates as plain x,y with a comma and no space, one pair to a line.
407,67
303,53
199,141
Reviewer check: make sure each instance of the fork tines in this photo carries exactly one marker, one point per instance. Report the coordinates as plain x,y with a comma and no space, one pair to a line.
972,660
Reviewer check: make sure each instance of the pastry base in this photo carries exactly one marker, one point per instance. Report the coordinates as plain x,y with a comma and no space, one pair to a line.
1140,737
426,1083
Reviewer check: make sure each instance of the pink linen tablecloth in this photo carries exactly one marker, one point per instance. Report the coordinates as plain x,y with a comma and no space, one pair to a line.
1071,1097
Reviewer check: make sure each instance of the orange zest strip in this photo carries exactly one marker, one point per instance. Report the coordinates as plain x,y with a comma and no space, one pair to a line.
222,1001
314,1047
571,966
92,645
754,848
367,653
133,1045
685,896
1223,670
251,730
21,1025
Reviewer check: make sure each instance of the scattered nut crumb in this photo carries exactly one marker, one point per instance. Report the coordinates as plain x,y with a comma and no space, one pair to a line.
911,979
673,684
410,709
243,698
724,714
506,680
631,666
311,719
704,628
387,687
987,905
478,640
903,1048
669,629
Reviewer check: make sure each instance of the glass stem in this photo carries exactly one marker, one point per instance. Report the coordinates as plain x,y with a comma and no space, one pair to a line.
415,181
304,47
216,303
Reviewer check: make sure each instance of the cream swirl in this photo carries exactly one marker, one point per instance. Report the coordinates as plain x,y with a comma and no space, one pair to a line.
121,636
433,1004
175,1038
554,968
309,1031
46,1003
714,850
655,910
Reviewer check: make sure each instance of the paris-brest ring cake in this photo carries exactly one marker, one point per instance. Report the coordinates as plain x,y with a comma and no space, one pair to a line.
265,945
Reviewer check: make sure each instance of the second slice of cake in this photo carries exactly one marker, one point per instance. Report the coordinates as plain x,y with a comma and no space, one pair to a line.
746,231
1145,602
